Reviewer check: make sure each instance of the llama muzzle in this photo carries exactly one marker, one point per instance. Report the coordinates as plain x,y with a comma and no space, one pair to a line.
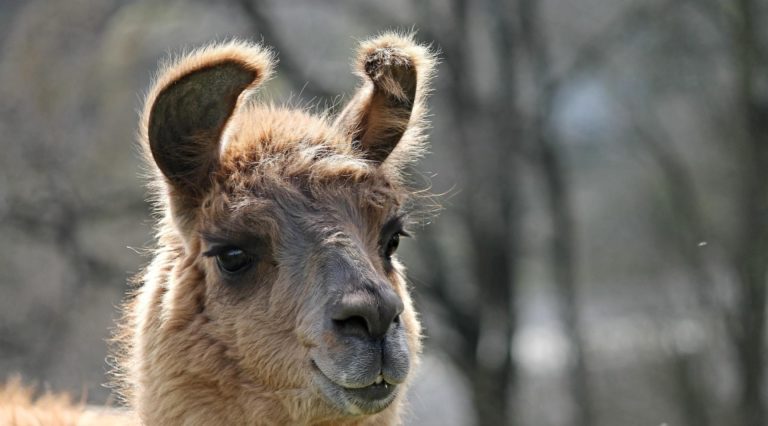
365,354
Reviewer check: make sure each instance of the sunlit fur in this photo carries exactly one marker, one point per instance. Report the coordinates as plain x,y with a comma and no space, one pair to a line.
192,351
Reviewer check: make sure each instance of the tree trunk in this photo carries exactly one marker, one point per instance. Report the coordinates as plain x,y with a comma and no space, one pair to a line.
563,244
751,256
493,228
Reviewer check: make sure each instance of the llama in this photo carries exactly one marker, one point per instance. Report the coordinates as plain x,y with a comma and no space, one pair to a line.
274,295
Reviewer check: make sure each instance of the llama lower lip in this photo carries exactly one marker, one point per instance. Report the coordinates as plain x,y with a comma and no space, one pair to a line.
367,399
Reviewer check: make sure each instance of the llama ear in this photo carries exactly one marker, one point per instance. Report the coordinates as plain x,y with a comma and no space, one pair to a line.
389,105
190,104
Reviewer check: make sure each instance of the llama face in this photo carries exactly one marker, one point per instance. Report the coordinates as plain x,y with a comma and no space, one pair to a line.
287,227
318,264
312,258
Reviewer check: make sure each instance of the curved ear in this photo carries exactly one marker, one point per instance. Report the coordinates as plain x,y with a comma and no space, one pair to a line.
189,106
391,102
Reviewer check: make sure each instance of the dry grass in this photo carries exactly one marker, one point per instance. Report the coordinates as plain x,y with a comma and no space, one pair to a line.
20,406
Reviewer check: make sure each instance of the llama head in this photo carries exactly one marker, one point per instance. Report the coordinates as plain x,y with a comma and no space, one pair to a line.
279,230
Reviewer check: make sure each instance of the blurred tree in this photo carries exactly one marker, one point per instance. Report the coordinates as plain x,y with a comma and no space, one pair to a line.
740,109
744,103
750,256
550,159
488,208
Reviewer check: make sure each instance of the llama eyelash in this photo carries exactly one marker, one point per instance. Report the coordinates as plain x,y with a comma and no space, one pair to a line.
218,244
218,250
398,224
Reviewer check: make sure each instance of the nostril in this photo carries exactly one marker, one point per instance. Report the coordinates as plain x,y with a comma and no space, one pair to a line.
367,313
353,325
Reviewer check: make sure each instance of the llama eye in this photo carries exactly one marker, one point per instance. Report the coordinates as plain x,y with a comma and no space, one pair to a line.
233,260
392,244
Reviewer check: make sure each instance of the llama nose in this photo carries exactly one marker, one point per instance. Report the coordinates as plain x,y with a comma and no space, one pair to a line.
368,313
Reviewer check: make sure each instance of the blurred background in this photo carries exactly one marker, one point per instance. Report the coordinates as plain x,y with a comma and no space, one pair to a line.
602,253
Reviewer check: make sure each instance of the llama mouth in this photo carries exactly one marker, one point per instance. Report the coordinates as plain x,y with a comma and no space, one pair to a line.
366,399
375,392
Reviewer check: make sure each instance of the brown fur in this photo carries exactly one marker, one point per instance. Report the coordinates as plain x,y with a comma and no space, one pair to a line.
197,349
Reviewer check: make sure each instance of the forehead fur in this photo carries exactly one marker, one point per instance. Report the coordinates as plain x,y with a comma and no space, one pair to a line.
289,143
293,157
